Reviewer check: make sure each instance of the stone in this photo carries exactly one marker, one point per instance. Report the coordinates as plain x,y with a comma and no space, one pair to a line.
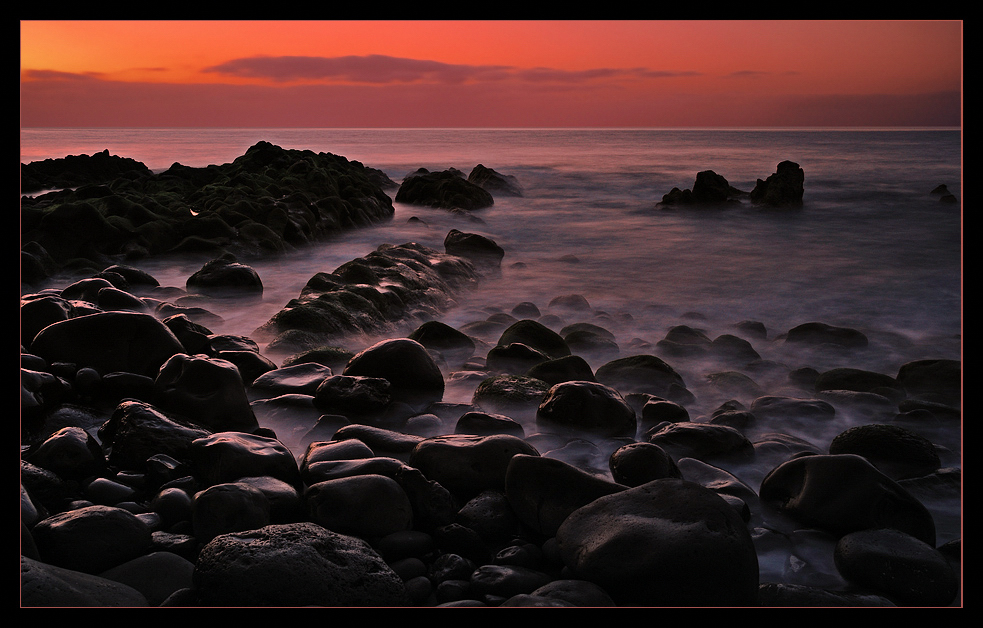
412,373
227,456
544,491
91,539
226,277
208,391
818,334
455,346
468,464
639,463
445,190
228,507
898,566
702,547
640,373
897,452
368,506
586,408
537,336
784,188
480,249
844,493
301,379
704,441
300,564
495,182
43,585
136,431
566,369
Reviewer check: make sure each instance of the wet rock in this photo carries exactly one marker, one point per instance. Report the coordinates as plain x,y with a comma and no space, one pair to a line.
71,453
818,334
91,539
639,463
844,493
368,506
933,380
512,395
614,540
228,456
586,408
445,190
468,464
455,346
208,391
302,379
784,188
412,373
897,452
226,277
352,395
640,373
497,582
137,431
566,369
537,336
495,182
490,515
228,507
795,595
544,491
898,566
703,441
301,564
109,342
487,424
44,585
480,249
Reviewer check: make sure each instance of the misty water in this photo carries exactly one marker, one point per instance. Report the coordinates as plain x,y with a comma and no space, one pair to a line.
869,249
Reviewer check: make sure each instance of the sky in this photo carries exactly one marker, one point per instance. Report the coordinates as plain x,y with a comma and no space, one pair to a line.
522,73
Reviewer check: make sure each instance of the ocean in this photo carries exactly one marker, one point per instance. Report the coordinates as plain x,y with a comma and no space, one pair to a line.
870,248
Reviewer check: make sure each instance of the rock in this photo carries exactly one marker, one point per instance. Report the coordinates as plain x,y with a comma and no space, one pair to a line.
412,373
576,592
709,189
444,190
537,336
898,566
91,539
514,358
493,582
137,431
817,334
455,346
368,506
350,395
705,554
844,493
639,463
857,380
512,395
586,408
43,585
544,491
228,507
784,188
495,182
480,249
109,342
703,441
227,456
895,451
793,595
487,424
303,379
566,369
208,391
226,277
301,564
468,464
938,380
157,575
490,515
71,453
640,373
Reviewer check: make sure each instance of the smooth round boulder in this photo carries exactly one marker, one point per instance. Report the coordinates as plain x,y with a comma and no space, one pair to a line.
91,539
298,564
229,507
844,493
571,368
640,373
544,491
898,566
704,441
455,346
71,453
208,391
669,542
44,585
537,336
350,395
486,424
639,463
897,452
575,592
137,431
411,371
108,342
467,464
225,277
516,396
586,408
228,456
367,506
303,379
480,249
818,334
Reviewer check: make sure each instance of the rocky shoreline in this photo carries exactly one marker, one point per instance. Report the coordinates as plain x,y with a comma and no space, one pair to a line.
165,465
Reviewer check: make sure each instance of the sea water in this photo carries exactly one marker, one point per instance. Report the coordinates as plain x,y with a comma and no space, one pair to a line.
870,248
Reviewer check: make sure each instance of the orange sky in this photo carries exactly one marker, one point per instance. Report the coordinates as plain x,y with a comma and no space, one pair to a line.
490,73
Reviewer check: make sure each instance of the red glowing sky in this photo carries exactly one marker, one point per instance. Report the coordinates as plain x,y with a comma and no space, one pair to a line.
490,73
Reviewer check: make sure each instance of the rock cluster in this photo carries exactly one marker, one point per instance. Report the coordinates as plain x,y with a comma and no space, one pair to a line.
783,188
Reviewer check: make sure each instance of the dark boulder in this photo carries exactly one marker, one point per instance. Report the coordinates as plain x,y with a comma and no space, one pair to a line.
412,373
495,182
207,391
225,277
705,553
480,249
784,188
586,408
444,190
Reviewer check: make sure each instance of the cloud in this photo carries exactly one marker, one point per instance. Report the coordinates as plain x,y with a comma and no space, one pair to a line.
382,69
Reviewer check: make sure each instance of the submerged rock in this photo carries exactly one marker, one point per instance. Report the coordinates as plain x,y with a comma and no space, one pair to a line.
444,190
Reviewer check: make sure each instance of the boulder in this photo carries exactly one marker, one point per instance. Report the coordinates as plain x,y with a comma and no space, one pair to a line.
704,552
44,585
368,506
495,182
226,277
300,564
413,375
784,188
444,190
480,249
586,408
227,456
207,391
467,464
91,539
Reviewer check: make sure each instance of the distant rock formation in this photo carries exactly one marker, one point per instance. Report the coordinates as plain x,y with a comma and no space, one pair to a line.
784,188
